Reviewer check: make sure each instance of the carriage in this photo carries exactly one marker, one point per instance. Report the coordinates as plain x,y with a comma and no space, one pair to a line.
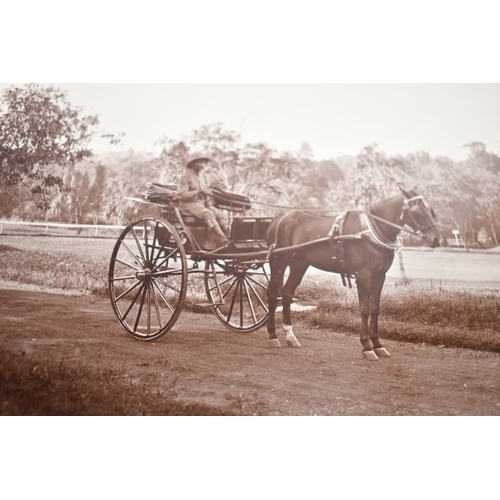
154,257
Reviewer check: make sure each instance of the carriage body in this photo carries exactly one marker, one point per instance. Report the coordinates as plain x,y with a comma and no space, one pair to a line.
154,257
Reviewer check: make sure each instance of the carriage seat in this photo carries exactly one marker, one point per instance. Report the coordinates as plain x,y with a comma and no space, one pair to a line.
191,220
173,215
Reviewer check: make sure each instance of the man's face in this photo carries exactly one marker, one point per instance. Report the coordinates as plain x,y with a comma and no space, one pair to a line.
199,165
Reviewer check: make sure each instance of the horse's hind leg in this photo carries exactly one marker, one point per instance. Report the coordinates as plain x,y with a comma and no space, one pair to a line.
297,271
273,291
377,284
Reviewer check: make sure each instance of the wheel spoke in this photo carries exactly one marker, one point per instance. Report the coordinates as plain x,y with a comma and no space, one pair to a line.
241,301
153,245
133,301
161,246
139,314
225,294
141,264
168,285
221,283
139,246
257,282
157,306
256,294
146,249
123,278
148,288
127,291
250,303
233,300
167,302
164,259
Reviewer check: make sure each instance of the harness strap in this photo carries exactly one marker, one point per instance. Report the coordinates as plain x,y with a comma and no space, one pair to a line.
337,225
371,234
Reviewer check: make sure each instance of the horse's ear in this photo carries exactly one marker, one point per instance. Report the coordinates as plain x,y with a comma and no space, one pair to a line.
409,194
406,193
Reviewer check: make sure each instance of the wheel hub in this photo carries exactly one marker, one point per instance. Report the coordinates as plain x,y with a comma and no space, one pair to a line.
144,275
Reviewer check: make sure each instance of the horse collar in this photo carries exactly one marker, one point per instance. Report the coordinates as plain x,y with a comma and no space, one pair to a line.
371,232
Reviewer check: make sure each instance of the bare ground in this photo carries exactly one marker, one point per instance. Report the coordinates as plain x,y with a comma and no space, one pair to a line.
199,360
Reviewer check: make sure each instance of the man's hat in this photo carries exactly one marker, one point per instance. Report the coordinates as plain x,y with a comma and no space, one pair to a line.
197,156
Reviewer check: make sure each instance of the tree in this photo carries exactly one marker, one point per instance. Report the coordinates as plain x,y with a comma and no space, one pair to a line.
39,127
127,179
378,175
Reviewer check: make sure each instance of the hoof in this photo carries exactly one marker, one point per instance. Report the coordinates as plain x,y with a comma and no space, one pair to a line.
370,356
293,342
382,352
274,343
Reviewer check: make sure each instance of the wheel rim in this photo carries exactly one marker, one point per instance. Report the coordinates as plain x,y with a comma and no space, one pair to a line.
148,278
238,293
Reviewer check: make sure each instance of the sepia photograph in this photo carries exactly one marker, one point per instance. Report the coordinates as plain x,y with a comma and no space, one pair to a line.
200,250
287,220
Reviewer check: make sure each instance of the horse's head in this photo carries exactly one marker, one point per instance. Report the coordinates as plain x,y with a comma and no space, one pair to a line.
419,215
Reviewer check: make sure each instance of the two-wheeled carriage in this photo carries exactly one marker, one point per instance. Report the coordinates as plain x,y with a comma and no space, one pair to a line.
154,256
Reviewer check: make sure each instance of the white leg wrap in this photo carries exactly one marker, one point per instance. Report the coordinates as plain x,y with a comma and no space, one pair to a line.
382,352
370,356
291,339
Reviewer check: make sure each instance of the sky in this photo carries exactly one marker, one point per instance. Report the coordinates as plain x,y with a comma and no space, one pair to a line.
334,119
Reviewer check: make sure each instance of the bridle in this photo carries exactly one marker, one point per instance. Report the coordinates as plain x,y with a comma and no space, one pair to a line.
418,233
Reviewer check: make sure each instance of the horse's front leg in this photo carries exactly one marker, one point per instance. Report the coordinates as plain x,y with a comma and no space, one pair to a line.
377,284
363,282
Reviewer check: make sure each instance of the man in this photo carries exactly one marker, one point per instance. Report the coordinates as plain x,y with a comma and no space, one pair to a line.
195,193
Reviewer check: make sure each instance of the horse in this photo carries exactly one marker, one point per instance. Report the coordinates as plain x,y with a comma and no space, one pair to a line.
356,244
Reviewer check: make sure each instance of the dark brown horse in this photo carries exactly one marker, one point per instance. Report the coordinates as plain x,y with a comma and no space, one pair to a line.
359,244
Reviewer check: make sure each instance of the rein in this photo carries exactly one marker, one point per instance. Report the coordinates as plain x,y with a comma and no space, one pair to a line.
391,245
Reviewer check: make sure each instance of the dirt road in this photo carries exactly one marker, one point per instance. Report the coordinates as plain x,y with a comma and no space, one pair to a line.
200,361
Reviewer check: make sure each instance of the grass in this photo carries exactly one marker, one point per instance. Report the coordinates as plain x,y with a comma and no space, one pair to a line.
84,273
68,264
54,388
411,312
416,312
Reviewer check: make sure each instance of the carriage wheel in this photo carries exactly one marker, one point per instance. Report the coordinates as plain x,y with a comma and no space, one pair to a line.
148,278
238,293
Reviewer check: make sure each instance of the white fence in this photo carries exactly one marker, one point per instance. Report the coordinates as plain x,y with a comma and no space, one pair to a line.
48,225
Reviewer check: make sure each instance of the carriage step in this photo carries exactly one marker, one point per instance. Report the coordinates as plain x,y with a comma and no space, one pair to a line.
205,306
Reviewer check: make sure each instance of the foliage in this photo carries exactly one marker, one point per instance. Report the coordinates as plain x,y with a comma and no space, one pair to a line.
463,194
126,179
39,127
268,177
377,176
